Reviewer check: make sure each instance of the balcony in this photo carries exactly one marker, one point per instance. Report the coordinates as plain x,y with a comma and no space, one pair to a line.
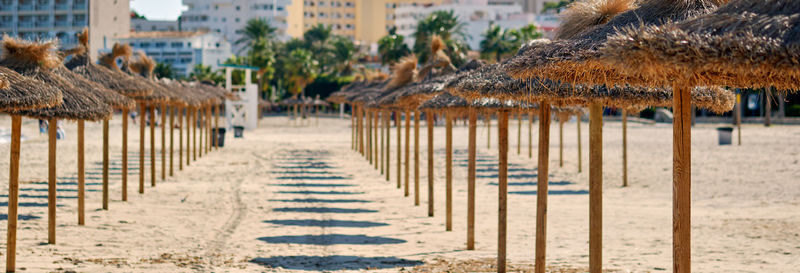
62,24
43,24
79,24
6,24
25,7
80,6
26,24
62,7
6,7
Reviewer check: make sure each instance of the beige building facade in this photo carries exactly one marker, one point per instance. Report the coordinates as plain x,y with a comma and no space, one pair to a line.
364,21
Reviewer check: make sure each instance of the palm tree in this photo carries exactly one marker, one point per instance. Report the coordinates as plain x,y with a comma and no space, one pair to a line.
204,73
392,47
299,67
317,40
164,70
495,43
345,53
254,30
449,27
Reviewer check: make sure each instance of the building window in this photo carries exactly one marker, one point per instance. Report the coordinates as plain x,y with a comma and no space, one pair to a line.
238,8
237,20
161,44
223,19
176,45
144,44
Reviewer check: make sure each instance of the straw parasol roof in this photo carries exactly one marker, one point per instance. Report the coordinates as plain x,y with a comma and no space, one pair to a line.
293,100
113,99
111,79
414,94
746,43
18,92
491,81
445,101
575,60
158,94
38,60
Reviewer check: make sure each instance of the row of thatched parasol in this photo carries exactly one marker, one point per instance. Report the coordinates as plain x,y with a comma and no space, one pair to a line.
610,53
36,83
303,104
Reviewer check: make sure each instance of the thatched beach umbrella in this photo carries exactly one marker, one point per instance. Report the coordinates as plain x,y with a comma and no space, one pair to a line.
742,44
20,93
38,60
112,99
115,80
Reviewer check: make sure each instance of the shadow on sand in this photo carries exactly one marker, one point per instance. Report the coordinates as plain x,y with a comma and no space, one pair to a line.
326,223
333,263
316,200
306,177
324,210
23,217
556,192
331,239
552,183
312,185
321,192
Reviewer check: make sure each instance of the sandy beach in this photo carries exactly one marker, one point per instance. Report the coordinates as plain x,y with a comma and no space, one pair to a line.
286,198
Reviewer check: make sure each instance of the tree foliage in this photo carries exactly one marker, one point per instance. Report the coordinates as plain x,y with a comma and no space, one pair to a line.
449,27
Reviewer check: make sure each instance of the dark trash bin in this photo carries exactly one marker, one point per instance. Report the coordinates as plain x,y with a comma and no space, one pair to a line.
725,135
220,137
238,131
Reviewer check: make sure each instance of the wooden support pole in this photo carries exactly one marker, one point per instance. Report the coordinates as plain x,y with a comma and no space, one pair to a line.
739,117
416,158
471,147
541,186
171,141
352,129
199,122
375,158
368,134
488,131
81,176
214,137
624,148
208,129
580,145
681,181
595,188
125,154
180,138
407,153
430,123
449,172
519,133
163,121
502,211
13,194
560,141
152,146
52,132
530,134
105,164
768,108
194,134
387,122
216,124
142,124
382,127
188,136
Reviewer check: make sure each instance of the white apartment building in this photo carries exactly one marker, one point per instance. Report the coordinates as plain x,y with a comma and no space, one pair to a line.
154,25
227,17
183,50
476,14
48,19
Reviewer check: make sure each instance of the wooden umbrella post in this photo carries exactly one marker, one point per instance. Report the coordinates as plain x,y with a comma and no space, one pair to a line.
624,148
541,186
407,152
142,124
152,110
163,121
560,141
387,155
502,137
488,131
449,172
216,125
199,117
81,175
530,134
519,133
171,141
595,188
681,180
416,158
13,193
352,130
471,146
52,132
124,154
105,164
375,130
188,136
580,148
739,117
430,123
194,134
382,121
209,131
180,139
213,129
368,135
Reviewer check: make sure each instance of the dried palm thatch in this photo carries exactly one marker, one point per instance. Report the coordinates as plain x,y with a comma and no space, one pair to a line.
37,61
575,60
445,102
113,99
111,79
491,82
583,15
746,43
414,94
159,94
223,93
439,61
18,92
291,101
403,72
